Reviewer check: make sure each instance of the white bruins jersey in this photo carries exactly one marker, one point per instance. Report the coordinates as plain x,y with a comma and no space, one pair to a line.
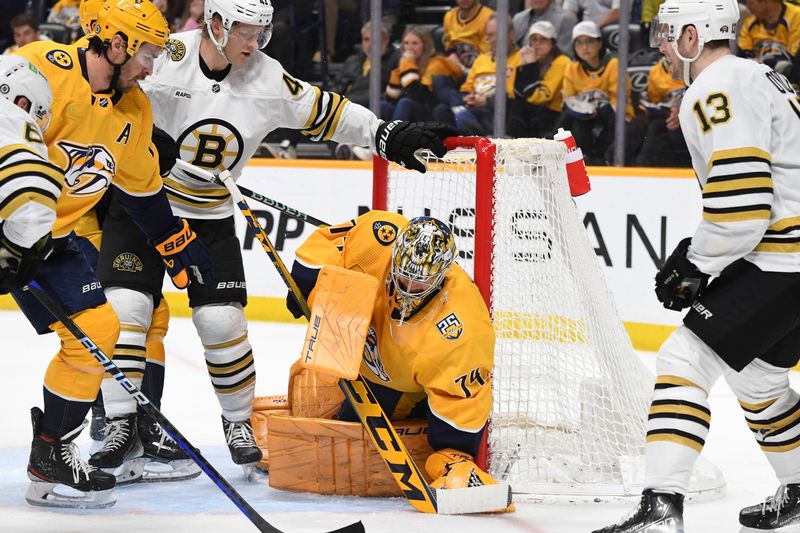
741,121
29,184
219,125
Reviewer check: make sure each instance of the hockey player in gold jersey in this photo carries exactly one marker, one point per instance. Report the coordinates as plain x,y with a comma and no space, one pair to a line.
430,344
99,136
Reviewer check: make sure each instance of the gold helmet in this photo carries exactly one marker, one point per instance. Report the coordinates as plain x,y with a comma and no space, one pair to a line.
89,12
421,258
139,20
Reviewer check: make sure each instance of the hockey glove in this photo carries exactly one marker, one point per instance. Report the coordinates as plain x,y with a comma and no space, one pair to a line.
396,141
679,281
168,150
19,265
452,469
181,250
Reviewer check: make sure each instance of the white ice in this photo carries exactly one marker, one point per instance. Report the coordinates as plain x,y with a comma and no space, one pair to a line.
199,506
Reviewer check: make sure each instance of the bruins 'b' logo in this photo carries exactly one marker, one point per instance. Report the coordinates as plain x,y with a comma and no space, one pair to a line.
450,327
90,169
385,232
176,49
127,262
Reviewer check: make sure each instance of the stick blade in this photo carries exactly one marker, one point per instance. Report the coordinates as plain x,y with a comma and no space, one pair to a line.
356,527
484,499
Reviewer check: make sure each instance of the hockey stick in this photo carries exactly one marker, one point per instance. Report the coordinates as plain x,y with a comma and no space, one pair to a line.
383,435
57,311
253,195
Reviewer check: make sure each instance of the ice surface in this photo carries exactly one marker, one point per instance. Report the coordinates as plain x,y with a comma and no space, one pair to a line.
199,506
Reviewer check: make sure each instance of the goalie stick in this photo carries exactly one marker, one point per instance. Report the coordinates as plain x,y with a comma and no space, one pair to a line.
378,426
253,195
109,366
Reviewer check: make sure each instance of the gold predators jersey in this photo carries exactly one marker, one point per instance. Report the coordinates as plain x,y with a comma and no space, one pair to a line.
482,76
547,91
445,351
596,85
29,185
469,32
96,139
662,87
407,72
758,38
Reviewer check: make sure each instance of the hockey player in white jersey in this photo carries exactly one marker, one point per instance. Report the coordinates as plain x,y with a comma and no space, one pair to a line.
29,184
218,97
741,121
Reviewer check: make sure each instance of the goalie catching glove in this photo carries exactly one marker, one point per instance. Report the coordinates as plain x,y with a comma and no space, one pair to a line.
452,469
19,265
679,281
181,250
396,141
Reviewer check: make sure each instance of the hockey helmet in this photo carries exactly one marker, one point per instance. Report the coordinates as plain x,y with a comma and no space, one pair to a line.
89,11
139,20
713,19
18,78
254,12
421,257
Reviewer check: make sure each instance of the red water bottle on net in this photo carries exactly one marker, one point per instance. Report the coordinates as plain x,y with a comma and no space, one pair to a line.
576,168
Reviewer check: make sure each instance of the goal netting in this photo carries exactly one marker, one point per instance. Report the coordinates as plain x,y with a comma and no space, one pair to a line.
570,395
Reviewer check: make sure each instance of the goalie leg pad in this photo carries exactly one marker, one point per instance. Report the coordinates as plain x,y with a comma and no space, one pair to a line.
134,310
263,408
335,457
313,394
229,357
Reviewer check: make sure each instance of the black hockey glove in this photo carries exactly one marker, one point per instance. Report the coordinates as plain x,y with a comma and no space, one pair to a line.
19,265
679,281
396,141
168,150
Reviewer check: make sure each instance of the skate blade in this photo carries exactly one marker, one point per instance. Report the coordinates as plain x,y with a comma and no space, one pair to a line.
128,472
156,471
485,499
251,473
43,494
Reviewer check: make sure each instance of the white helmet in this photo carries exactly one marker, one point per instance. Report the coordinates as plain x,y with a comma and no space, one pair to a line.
18,78
255,12
714,20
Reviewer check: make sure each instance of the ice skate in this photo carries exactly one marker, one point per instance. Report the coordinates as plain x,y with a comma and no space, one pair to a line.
121,452
658,512
780,510
242,445
164,460
59,478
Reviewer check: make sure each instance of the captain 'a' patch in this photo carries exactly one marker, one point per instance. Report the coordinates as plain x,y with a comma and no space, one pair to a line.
385,232
450,327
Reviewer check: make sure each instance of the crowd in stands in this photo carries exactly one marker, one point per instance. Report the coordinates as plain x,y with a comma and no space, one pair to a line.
438,62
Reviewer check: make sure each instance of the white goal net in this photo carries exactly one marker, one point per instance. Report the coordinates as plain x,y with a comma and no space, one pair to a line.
570,395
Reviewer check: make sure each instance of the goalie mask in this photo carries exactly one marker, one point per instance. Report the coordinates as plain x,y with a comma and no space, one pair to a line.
253,12
714,20
421,258
19,78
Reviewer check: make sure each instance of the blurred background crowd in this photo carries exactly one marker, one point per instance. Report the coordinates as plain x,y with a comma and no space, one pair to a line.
438,62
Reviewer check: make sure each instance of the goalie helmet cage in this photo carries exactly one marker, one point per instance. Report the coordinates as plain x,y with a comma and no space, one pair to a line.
570,395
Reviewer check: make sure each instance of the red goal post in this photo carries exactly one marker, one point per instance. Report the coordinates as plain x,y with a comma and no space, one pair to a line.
570,395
